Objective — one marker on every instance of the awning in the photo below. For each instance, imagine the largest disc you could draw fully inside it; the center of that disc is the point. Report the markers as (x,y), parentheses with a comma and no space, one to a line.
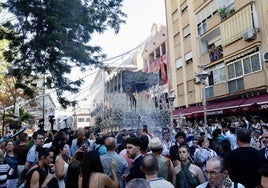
(187,112)
(259,102)
(226,107)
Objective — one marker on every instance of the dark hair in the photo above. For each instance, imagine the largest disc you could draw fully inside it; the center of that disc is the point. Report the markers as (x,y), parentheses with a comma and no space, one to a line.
(91,163)
(200,141)
(144,142)
(243,135)
(264,170)
(10,140)
(40,132)
(73,174)
(23,137)
(57,145)
(182,134)
(42,151)
(149,164)
(225,146)
(134,140)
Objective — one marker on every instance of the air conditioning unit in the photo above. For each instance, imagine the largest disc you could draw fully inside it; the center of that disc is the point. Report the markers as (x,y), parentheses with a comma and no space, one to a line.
(249,35)
(196,80)
(265,56)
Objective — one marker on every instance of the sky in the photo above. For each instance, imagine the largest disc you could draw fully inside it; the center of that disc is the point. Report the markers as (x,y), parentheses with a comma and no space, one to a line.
(141,14)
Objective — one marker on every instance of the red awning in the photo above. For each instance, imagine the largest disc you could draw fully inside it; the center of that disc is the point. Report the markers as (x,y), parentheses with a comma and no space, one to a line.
(226,107)
(257,102)
(187,112)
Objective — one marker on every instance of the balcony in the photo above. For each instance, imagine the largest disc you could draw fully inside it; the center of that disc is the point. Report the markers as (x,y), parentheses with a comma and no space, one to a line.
(233,27)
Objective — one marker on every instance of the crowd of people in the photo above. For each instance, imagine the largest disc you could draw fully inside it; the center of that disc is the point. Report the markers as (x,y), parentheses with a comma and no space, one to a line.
(219,155)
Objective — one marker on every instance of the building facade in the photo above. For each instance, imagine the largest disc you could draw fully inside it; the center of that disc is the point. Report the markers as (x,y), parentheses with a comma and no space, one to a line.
(227,37)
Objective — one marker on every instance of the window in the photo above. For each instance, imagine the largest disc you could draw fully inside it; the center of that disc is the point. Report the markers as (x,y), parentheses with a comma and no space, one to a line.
(236,85)
(175,16)
(235,70)
(251,63)
(201,28)
(81,119)
(209,92)
(217,74)
(177,39)
(188,57)
(186,31)
(184,7)
(248,64)
(179,63)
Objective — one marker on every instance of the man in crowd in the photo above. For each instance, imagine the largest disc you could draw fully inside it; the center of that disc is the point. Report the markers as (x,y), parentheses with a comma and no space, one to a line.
(216,171)
(264,176)
(165,164)
(150,168)
(133,145)
(245,161)
(264,150)
(180,139)
(77,142)
(32,155)
(121,163)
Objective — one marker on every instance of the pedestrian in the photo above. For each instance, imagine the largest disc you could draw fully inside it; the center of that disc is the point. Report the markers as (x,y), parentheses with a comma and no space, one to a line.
(264,150)
(38,175)
(245,161)
(217,173)
(187,175)
(166,168)
(121,163)
(133,145)
(4,169)
(150,168)
(32,155)
(180,139)
(138,182)
(12,160)
(61,166)
(203,153)
(92,173)
(264,176)
(72,175)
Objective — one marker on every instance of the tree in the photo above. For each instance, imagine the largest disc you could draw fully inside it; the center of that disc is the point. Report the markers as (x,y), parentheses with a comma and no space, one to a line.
(52,36)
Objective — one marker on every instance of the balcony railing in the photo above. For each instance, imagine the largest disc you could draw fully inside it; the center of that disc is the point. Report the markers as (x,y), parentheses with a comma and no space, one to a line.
(233,27)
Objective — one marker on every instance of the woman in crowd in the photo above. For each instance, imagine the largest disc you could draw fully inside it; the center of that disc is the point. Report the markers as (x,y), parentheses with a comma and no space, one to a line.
(61,166)
(12,160)
(73,174)
(203,153)
(187,175)
(92,173)
(4,169)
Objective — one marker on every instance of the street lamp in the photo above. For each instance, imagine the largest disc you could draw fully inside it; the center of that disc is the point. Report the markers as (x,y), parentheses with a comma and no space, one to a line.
(202,76)
(171,99)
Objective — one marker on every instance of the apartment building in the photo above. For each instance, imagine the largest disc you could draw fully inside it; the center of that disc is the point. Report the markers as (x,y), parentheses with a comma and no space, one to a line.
(227,37)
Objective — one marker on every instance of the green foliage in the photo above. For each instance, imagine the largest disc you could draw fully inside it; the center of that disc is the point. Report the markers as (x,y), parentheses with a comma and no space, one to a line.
(52,36)
(225,13)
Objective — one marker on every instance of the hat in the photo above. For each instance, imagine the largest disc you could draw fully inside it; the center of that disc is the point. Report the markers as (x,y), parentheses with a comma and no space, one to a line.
(155,143)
